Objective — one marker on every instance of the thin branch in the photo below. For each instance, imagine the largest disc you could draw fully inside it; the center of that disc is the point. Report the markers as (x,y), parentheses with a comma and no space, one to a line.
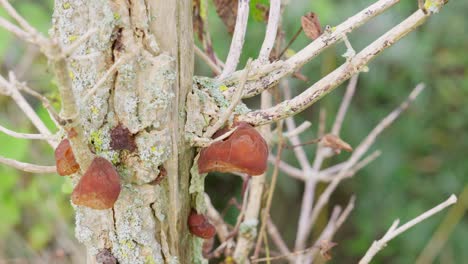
(332,227)
(21,21)
(276,238)
(271,31)
(288,169)
(234,102)
(27,33)
(298,130)
(45,102)
(324,176)
(292,254)
(205,142)
(290,42)
(26,108)
(270,77)
(216,219)
(358,153)
(215,68)
(26,136)
(338,76)
(28,167)
(237,39)
(344,105)
(14,29)
(274,178)
(444,230)
(394,231)
(309,190)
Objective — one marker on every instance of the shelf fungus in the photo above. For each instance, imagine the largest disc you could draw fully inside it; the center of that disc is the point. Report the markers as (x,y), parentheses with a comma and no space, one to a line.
(200,226)
(99,187)
(245,151)
(65,159)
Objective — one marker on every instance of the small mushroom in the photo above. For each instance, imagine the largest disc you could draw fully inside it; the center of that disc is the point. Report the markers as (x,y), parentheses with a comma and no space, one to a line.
(99,187)
(200,226)
(244,151)
(64,159)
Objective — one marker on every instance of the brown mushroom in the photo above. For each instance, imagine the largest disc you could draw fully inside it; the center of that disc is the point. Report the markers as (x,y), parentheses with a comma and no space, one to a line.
(99,187)
(64,159)
(244,151)
(200,226)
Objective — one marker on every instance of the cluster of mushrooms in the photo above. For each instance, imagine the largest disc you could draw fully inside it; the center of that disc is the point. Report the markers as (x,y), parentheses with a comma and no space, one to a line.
(244,151)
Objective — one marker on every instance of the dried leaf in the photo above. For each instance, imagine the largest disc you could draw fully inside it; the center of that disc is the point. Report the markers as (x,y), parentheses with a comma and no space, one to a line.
(227,11)
(335,143)
(325,247)
(311,25)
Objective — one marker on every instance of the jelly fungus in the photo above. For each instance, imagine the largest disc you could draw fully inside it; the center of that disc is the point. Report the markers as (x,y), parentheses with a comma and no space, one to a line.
(99,187)
(244,151)
(200,226)
(64,159)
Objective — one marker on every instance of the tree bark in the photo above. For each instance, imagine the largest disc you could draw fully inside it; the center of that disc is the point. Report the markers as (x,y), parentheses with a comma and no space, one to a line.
(153,43)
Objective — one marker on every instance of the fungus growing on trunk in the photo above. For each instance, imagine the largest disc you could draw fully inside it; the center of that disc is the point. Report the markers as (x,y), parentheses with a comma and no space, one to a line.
(244,151)
(99,187)
(122,138)
(200,226)
(65,159)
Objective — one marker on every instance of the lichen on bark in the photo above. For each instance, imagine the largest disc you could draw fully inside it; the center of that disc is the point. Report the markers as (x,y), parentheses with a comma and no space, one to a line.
(146,96)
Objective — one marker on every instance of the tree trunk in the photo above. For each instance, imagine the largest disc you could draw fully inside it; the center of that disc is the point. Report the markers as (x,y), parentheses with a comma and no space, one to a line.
(151,43)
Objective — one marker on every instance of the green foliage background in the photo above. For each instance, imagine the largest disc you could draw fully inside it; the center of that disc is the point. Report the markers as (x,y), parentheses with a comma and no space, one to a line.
(423,158)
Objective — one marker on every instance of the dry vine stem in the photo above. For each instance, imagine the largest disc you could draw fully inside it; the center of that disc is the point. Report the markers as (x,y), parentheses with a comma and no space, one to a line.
(117,59)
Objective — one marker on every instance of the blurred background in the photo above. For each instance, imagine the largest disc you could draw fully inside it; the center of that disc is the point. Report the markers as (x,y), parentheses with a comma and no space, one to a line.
(422,163)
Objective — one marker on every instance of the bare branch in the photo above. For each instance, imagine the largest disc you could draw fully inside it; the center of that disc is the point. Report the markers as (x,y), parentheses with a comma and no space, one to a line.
(326,176)
(344,105)
(276,238)
(26,108)
(298,130)
(274,178)
(237,39)
(207,60)
(27,33)
(444,230)
(358,153)
(215,218)
(332,227)
(270,77)
(335,78)
(288,169)
(271,31)
(45,102)
(309,189)
(26,136)
(234,102)
(394,231)
(14,29)
(28,167)
(21,21)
